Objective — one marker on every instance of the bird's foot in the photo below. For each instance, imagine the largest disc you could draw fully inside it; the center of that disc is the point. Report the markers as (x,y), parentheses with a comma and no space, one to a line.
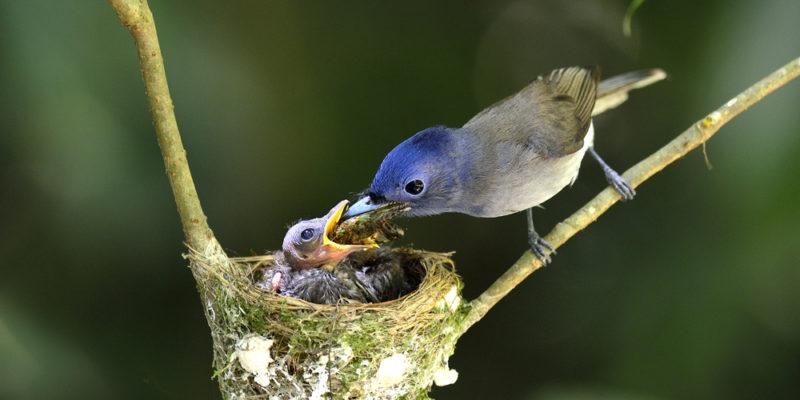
(622,186)
(539,248)
(616,181)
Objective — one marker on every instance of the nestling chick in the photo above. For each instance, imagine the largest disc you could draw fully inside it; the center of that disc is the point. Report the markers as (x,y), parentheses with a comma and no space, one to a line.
(309,267)
(306,266)
(307,243)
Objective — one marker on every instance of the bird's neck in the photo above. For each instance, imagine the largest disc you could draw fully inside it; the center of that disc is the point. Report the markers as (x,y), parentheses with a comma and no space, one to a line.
(470,149)
(464,157)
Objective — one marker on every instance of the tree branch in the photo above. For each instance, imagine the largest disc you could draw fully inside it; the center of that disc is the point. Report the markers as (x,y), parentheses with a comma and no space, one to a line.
(138,19)
(692,137)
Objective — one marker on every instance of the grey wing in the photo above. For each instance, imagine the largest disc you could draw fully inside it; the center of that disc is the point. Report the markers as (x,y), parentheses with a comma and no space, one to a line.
(551,115)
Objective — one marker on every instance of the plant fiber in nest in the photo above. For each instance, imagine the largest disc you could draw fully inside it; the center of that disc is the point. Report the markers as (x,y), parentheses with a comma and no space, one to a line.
(273,347)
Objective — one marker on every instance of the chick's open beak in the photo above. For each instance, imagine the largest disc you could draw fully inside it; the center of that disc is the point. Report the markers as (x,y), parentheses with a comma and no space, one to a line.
(331,250)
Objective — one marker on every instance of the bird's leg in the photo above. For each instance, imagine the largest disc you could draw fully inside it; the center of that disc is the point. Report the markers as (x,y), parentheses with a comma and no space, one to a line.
(536,242)
(616,180)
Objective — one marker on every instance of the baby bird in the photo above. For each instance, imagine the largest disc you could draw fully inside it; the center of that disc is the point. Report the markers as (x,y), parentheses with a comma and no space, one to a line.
(311,266)
(307,244)
(306,268)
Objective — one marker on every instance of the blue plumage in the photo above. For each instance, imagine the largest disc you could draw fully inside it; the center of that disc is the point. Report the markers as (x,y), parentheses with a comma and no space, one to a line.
(426,157)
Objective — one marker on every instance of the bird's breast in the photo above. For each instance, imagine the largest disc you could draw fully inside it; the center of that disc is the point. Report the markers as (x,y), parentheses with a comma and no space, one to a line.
(517,178)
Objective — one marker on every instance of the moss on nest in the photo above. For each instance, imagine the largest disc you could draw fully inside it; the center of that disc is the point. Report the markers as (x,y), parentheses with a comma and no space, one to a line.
(268,346)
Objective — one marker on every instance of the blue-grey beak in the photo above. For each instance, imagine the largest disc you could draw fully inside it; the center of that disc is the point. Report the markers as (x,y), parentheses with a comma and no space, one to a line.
(363,205)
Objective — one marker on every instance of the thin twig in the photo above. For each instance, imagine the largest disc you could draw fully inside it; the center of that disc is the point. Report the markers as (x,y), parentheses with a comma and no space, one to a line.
(692,137)
(136,16)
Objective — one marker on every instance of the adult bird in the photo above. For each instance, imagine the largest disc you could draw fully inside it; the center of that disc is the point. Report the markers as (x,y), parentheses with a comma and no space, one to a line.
(510,157)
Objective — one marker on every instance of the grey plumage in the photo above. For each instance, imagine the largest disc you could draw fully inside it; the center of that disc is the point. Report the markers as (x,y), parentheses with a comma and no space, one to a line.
(321,286)
(537,139)
(315,285)
(382,274)
(371,276)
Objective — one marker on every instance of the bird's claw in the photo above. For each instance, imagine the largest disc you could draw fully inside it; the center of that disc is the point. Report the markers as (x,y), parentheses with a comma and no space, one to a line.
(622,186)
(539,248)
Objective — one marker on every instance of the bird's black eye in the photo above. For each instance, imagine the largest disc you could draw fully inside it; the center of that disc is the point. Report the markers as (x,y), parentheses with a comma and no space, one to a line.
(415,187)
(307,234)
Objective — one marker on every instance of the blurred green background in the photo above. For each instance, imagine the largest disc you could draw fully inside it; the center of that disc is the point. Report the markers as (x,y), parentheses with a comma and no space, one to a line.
(688,292)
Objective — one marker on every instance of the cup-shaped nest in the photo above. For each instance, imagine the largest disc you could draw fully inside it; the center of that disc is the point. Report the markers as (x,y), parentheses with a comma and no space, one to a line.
(271,346)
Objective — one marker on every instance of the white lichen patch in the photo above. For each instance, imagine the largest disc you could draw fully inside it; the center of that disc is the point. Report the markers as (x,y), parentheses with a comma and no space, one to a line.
(262,379)
(392,370)
(451,300)
(362,367)
(318,378)
(253,354)
(343,354)
(445,376)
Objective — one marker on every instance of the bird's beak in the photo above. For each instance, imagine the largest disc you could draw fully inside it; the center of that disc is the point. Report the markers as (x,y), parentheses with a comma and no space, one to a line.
(364,205)
(330,250)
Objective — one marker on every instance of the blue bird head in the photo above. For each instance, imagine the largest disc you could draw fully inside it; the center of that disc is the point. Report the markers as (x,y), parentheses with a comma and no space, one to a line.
(420,172)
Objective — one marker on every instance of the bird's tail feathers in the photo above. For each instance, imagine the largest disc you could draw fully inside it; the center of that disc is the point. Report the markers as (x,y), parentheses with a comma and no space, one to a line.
(613,91)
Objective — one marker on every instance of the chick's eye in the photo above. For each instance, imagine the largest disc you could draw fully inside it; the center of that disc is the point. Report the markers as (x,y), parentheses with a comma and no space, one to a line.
(415,187)
(307,234)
